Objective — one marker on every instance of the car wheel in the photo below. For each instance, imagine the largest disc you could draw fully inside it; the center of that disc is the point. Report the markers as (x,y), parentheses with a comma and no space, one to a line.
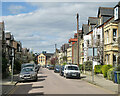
(78,77)
(36,79)
(19,81)
(66,77)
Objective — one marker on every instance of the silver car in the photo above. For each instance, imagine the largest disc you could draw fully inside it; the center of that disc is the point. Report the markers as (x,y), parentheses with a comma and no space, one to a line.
(30,65)
(28,73)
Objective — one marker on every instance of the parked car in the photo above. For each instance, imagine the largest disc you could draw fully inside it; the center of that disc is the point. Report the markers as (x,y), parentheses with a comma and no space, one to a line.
(47,66)
(57,68)
(30,65)
(71,71)
(27,73)
(44,66)
(51,67)
(62,70)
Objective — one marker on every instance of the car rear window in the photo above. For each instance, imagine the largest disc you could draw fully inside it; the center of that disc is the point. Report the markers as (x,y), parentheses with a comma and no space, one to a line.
(29,65)
(27,70)
(72,68)
(57,66)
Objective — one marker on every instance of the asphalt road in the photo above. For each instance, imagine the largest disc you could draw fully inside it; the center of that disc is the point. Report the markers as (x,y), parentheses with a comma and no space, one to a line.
(52,83)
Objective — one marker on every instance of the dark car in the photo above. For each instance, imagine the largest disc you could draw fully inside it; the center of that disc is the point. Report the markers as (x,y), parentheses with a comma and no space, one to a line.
(62,70)
(51,67)
(27,73)
(57,68)
(47,66)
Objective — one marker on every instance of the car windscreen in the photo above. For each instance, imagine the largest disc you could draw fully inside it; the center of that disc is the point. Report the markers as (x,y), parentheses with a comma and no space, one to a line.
(27,70)
(72,68)
(51,66)
(29,65)
(58,66)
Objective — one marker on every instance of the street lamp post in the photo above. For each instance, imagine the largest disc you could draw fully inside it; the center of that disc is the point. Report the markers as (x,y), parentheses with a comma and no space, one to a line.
(12,65)
(93,59)
(55,53)
(93,66)
(78,37)
(12,69)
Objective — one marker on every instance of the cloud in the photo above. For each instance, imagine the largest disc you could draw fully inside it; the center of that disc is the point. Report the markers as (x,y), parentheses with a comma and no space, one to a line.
(48,25)
(15,9)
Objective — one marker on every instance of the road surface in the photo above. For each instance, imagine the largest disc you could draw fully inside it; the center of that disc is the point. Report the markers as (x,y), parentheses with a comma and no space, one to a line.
(52,83)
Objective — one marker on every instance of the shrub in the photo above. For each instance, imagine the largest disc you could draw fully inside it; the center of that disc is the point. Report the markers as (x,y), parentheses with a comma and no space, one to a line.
(88,65)
(5,67)
(118,60)
(17,66)
(97,69)
(81,66)
(110,74)
(105,68)
(117,68)
(4,64)
(64,63)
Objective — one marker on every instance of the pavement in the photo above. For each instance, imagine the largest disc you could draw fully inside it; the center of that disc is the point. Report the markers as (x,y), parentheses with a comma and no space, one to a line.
(99,80)
(7,85)
(52,83)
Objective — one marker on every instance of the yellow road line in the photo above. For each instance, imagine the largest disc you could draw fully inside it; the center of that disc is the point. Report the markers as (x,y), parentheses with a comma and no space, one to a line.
(11,92)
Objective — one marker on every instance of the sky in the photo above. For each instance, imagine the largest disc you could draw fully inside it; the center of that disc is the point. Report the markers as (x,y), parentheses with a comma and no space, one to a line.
(41,25)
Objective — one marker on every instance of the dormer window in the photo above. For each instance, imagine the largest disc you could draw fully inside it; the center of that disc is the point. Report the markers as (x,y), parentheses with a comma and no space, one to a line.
(116,13)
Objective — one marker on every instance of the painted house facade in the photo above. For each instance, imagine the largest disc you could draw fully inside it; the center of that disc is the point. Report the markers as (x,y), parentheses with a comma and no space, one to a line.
(111,43)
(43,58)
(69,54)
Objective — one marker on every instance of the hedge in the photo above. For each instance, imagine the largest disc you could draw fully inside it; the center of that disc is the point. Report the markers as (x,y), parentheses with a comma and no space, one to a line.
(117,68)
(5,71)
(17,66)
(110,74)
(64,63)
(97,69)
(88,65)
(81,67)
(105,68)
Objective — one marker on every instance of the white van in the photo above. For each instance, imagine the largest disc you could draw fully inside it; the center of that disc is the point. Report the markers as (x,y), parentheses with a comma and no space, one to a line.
(71,71)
